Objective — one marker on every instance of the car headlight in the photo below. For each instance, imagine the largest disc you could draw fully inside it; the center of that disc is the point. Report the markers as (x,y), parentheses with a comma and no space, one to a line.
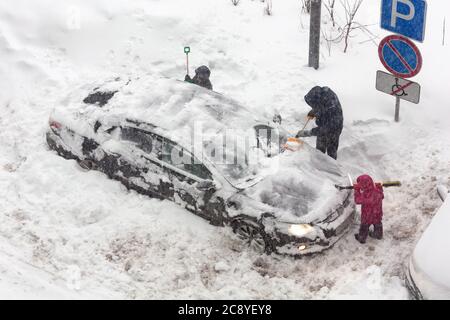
(300,230)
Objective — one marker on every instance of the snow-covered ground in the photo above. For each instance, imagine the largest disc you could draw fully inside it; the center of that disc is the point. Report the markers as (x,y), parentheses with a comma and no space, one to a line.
(65,233)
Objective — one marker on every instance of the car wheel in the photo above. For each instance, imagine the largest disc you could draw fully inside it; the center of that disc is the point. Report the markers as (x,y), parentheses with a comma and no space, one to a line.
(252,235)
(86,164)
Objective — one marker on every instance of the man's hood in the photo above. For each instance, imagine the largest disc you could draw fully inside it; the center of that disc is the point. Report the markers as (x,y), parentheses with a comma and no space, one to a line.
(322,98)
(314,98)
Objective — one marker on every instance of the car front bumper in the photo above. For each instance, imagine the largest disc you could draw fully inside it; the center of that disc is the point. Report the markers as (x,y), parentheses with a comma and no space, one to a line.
(327,232)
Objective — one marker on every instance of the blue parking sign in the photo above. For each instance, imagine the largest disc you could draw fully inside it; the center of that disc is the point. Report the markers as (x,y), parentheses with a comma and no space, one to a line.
(405,17)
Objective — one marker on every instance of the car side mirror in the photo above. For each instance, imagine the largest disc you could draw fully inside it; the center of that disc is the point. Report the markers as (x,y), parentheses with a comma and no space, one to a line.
(442,192)
(207,186)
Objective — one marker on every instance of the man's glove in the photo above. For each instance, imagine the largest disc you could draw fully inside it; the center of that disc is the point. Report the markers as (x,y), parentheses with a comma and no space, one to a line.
(187,78)
(311,115)
(303,134)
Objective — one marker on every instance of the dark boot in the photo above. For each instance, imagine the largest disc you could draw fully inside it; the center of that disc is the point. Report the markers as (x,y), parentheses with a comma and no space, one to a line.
(363,233)
(377,232)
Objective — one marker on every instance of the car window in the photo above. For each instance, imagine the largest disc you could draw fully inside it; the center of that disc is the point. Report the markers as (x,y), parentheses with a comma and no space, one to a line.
(179,157)
(167,151)
(142,139)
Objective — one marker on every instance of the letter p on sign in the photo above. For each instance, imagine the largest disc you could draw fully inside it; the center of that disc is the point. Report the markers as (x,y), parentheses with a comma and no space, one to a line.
(395,14)
(405,17)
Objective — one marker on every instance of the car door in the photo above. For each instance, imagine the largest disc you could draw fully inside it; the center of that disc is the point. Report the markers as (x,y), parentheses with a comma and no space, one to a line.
(155,165)
(193,183)
(186,173)
(141,150)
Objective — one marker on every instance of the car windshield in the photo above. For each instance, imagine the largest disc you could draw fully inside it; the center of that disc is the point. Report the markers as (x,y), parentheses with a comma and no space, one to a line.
(245,158)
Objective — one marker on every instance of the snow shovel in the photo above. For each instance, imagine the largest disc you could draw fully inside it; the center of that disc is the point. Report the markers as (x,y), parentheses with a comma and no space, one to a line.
(187,50)
(384,184)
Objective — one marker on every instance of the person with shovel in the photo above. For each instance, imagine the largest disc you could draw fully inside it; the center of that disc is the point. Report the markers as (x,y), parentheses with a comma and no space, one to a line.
(202,73)
(327,111)
(201,78)
(370,196)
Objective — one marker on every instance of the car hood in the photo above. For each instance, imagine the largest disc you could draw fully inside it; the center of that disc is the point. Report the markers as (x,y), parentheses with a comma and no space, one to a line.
(302,187)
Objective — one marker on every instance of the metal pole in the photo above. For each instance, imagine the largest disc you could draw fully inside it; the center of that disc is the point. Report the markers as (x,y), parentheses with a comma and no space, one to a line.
(443,34)
(187,63)
(314,33)
(397,109)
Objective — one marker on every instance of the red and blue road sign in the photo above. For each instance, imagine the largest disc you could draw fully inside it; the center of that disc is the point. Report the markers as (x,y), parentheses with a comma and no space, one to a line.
(400,56)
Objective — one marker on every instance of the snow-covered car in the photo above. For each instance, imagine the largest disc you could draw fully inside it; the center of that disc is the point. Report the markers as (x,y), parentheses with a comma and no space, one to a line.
(231,173)
(428,275)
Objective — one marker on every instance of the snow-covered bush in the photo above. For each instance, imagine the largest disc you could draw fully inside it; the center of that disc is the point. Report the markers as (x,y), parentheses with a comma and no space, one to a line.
(343,26)
(330,5)
(350,12)
(306,6)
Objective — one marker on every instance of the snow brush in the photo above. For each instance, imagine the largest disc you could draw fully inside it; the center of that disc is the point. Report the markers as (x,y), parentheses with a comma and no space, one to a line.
(295,144)
(306,124)
(384,184)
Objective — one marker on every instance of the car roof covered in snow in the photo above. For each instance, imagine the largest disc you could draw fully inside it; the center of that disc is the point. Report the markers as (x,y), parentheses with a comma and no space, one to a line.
(174,106)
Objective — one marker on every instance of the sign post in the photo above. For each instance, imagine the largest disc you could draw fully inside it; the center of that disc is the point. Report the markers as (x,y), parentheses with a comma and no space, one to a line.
(399,55)
(314,33)
(397,109)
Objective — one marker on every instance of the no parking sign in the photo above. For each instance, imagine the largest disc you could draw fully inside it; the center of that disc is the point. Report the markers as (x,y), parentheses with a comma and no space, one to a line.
(400,56)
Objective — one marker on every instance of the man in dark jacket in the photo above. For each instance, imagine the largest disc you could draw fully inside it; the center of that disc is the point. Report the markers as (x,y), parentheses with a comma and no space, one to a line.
(327,110)
(201,77)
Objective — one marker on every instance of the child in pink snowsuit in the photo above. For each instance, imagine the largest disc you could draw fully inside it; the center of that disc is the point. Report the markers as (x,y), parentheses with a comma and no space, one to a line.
(370,196)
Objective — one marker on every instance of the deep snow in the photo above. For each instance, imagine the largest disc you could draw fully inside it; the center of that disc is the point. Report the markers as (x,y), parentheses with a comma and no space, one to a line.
(65,233)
